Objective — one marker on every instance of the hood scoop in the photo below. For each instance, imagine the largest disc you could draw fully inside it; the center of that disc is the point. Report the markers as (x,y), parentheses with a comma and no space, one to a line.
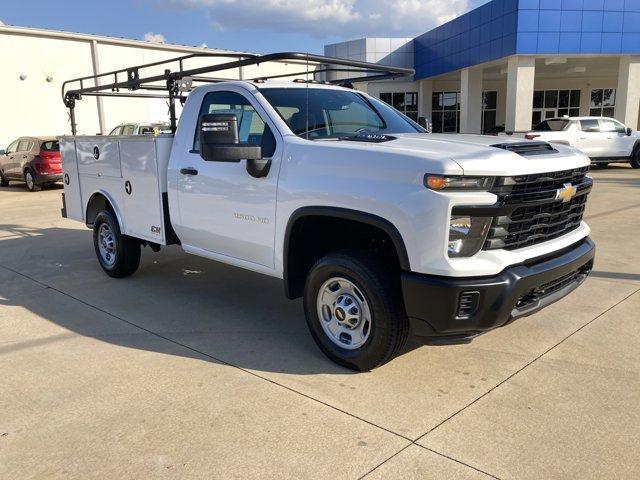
(527,148)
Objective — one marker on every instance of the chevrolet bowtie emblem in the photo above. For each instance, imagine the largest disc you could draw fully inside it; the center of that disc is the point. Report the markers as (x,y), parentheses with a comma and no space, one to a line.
(566,193)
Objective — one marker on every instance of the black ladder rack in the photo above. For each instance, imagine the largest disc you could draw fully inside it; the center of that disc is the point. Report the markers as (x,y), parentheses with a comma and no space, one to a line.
(130,81)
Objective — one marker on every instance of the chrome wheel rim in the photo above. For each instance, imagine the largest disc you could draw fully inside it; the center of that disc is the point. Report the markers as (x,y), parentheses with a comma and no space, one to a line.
(29,180)
(344,313)
(107,244)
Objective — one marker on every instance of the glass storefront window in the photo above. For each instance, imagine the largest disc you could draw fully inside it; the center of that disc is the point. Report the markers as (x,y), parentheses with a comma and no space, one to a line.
(446,112)
(555,103)
(489,111)
(603,102)
(404,102)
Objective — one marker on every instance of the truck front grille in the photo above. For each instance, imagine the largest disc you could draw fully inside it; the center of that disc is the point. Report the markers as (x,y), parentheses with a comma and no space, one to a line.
(536,215)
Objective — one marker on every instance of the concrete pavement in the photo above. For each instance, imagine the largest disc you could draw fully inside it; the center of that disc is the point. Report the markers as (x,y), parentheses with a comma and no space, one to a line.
(193,369)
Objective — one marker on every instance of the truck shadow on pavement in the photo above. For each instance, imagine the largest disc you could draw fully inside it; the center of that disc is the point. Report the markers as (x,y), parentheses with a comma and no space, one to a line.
(175,304)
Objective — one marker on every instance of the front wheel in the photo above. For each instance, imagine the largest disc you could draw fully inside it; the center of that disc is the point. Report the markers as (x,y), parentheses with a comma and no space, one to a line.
(119,255)
(353,306)
(635,159)
(4,181)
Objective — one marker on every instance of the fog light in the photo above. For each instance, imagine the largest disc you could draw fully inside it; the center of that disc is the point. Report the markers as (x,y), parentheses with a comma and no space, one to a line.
(468,303)
(467,235)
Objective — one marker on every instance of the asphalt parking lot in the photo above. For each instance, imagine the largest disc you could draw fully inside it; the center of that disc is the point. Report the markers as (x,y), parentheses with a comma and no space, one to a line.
(192,369)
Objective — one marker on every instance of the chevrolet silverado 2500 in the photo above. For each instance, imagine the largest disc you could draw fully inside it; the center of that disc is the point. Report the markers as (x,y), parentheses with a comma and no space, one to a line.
(382,228)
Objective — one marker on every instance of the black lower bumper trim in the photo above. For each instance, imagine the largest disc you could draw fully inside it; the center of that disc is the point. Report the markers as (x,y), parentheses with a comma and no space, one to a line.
(432,302)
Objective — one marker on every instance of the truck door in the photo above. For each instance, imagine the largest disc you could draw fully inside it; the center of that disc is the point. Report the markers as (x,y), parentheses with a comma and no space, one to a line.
(621,144)
(590,139)
(223,209)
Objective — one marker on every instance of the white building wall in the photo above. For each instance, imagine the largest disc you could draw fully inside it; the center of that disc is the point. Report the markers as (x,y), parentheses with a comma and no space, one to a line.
(33,106)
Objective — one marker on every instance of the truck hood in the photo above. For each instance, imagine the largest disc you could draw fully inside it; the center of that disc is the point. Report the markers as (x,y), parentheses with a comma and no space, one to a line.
(477,154)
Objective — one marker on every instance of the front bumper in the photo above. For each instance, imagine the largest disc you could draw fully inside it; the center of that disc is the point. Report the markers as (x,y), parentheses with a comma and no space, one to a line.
(433,302)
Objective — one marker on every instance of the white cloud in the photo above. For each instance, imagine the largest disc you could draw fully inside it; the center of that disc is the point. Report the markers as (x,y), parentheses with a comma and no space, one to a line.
(154,37)
(324,18)
(1,22)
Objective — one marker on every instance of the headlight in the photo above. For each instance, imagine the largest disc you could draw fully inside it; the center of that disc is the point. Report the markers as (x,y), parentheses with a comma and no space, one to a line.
(439,182)
(467,235)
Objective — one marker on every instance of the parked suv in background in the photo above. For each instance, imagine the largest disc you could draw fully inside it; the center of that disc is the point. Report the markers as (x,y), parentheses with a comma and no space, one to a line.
(604,140)
(33,160)
(140,129)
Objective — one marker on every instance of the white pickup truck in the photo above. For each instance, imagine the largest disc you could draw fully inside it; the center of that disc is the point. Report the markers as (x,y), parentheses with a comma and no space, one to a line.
(380,227)
(604,140)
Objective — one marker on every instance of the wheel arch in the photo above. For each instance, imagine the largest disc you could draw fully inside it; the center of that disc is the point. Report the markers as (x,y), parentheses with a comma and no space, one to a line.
(101,200)
(292,282)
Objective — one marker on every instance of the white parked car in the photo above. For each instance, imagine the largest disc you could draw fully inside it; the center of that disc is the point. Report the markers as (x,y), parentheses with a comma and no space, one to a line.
(604,140)
(380,227)
(140,129)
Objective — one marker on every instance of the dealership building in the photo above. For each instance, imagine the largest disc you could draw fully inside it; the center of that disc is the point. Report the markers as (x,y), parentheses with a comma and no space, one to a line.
(512,63)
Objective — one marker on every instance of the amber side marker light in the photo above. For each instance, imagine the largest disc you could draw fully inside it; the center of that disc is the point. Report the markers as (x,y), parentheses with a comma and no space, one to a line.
(440,182)
(435,182)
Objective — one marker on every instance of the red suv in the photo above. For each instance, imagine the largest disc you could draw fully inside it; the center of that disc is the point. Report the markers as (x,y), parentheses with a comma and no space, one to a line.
(32,160)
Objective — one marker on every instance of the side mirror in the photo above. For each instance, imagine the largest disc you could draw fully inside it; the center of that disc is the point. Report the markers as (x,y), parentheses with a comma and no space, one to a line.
(422,122)
(629,132)
(219,140)
(2,152)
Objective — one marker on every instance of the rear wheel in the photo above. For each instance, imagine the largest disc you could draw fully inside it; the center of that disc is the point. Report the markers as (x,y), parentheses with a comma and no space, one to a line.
(353,306)
(119,255)
(635,158)
(30,180)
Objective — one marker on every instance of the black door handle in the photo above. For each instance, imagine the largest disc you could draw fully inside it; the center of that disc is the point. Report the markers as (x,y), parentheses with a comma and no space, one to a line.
(188,171)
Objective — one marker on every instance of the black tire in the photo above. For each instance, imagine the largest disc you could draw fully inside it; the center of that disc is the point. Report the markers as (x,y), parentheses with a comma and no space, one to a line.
(4,181)
(380,286)
(126,249)
(635,158)
(30,181)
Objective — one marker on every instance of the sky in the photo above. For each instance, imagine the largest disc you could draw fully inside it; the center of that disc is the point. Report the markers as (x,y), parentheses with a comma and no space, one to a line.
(259,26)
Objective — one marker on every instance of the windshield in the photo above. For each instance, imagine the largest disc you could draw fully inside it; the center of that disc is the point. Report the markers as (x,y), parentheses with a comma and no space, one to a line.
(317,113)
(551,126)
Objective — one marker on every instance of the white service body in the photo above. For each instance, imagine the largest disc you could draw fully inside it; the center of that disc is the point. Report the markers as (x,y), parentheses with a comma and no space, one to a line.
(103,165)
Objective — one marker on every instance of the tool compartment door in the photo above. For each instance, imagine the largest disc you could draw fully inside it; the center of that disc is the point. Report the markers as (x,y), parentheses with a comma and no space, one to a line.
(141,189)
(71,180)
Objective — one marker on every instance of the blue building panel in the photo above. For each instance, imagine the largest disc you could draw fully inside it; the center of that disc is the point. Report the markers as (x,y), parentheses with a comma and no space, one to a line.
(502,28)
